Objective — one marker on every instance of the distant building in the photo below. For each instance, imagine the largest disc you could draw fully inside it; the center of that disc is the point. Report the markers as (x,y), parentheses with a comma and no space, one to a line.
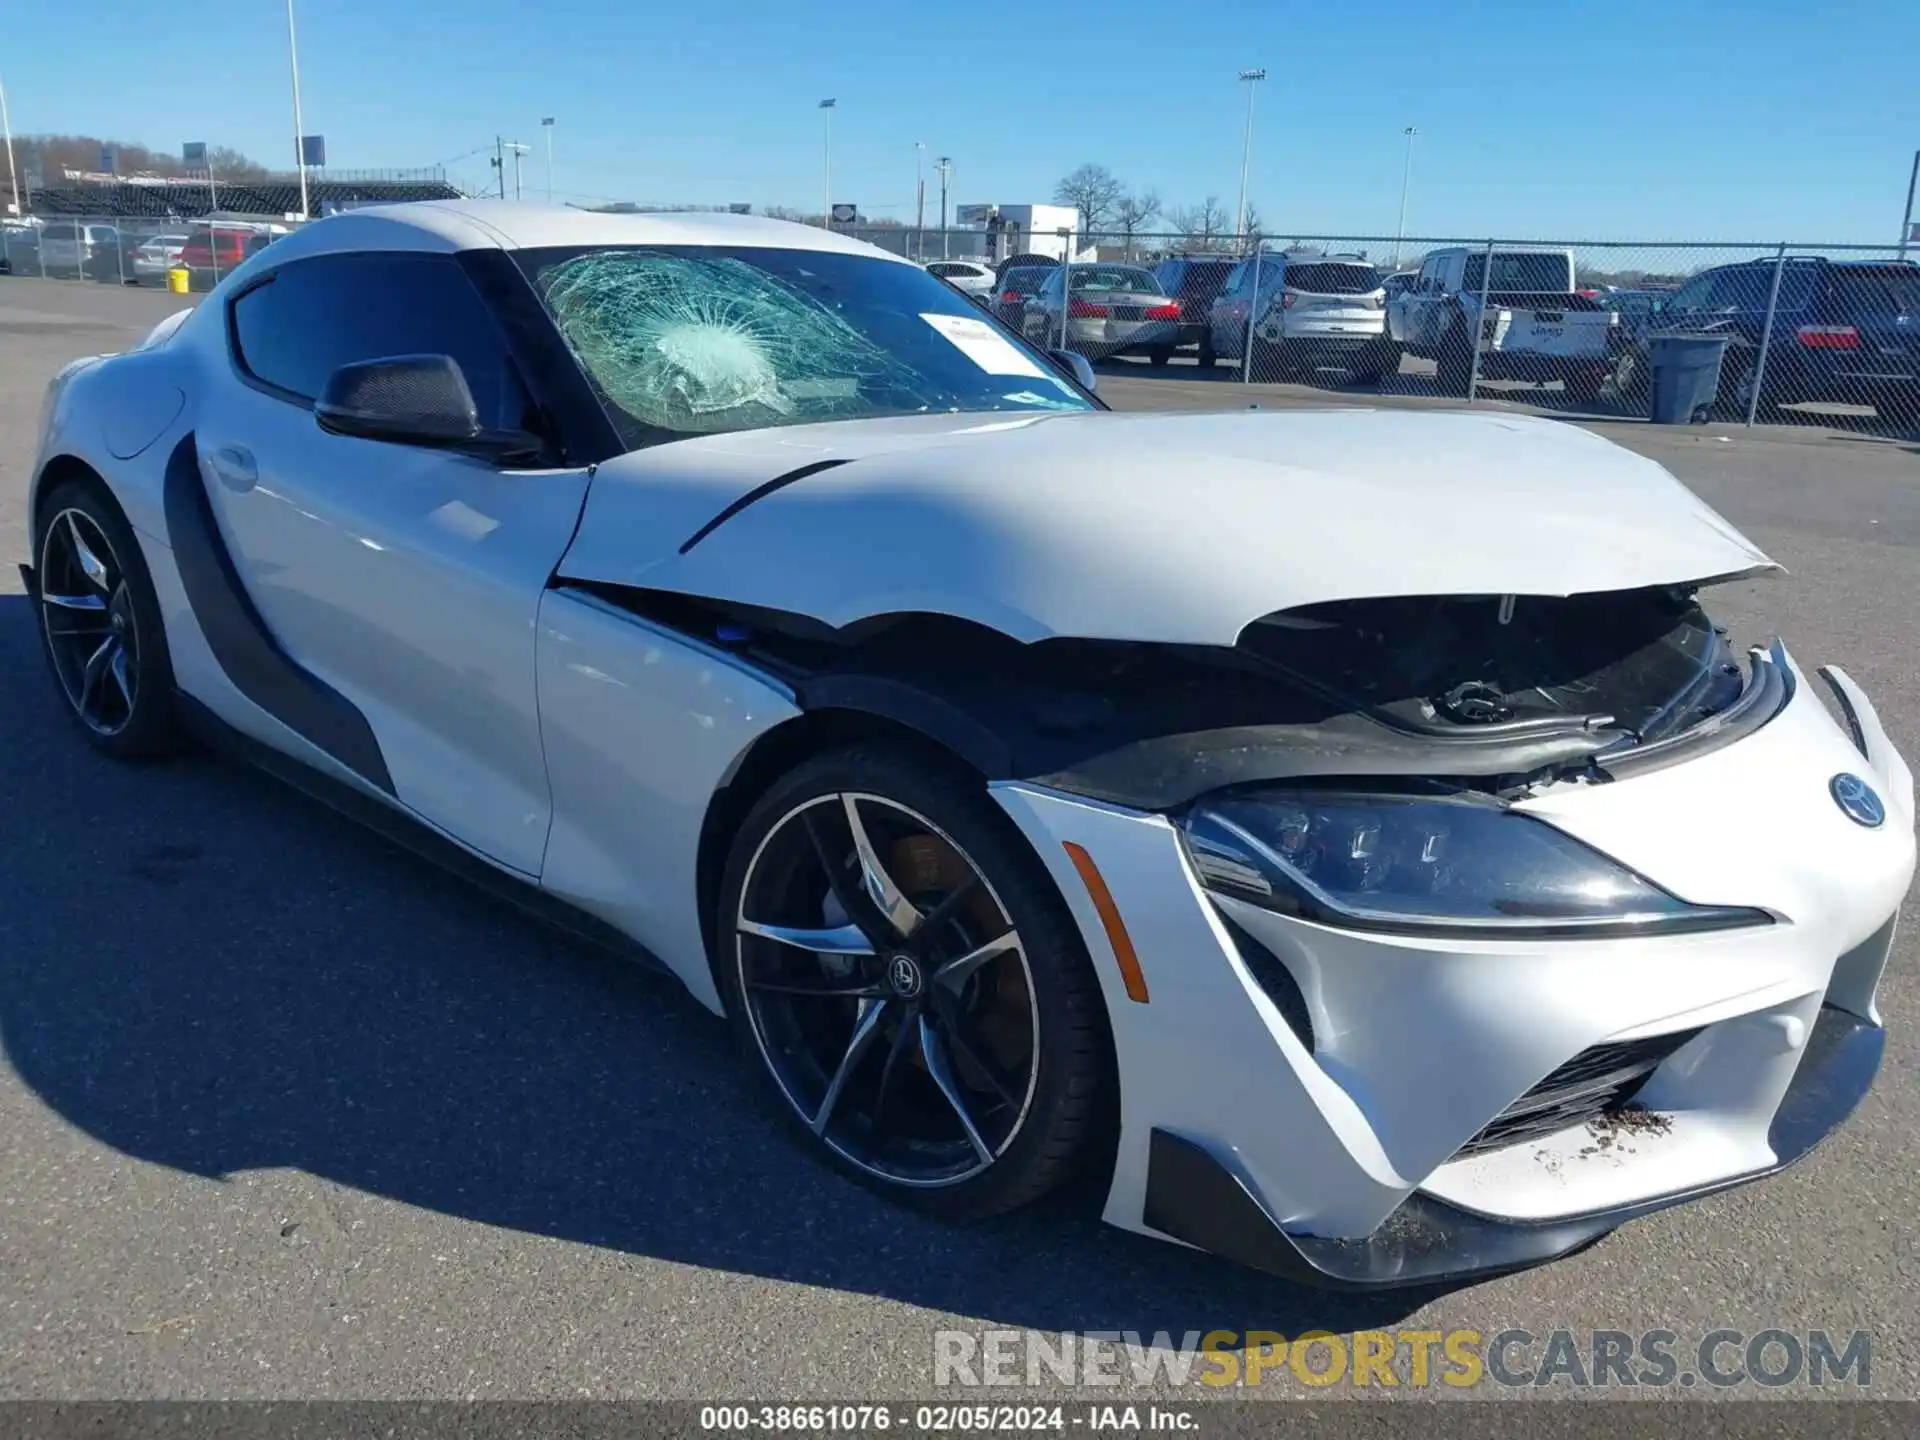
(1024,229)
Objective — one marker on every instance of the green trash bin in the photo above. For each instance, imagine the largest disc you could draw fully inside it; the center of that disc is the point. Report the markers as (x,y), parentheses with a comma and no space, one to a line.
(1686,376)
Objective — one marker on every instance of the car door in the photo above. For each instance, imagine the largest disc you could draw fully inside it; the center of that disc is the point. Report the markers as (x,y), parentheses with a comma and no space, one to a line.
(1226,316)
(405,578)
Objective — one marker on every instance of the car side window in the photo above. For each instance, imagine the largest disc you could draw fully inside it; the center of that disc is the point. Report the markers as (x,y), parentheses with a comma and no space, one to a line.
(310,317)
(1693,294)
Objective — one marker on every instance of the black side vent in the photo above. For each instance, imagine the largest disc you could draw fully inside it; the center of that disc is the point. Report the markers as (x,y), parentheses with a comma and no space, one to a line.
(1593,1083)
(1274,978)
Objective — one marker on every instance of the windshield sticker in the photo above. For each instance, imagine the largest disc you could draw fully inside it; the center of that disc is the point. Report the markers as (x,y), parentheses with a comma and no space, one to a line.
(984,345)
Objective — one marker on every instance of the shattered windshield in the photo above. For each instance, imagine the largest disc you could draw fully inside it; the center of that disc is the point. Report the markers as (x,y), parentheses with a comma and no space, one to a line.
(697,340)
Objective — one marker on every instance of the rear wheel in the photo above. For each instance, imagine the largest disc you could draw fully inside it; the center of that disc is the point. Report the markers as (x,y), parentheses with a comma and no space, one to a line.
(898,965)
(1208,357)
(1454,363)
(1160,355)
(1376,362)
(1584,383)
(100,624)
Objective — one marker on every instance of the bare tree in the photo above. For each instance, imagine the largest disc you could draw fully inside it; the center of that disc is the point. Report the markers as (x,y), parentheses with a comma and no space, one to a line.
(1132,214)
(1094,191)
(1204,224)
(1252,226)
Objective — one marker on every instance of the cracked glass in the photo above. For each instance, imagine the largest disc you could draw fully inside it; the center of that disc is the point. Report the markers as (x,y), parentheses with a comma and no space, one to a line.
(695,340)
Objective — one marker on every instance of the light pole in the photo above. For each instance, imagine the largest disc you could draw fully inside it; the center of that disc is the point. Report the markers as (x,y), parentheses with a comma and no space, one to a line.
(547,125)
(919,200)
(1251,79)
(1406,175)
(945,166)
(516,148)
(6,125)
(299,130)
(826,195)
(1906,224)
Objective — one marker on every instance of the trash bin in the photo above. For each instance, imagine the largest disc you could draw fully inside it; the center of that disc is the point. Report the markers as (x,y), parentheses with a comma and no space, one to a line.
(178,281)
(1686,376)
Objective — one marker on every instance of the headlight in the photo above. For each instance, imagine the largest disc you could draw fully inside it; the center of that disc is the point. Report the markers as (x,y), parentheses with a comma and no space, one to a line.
(1422,863)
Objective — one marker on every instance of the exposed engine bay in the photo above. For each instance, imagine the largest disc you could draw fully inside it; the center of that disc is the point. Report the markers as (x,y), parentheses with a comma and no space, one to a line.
(1489,692)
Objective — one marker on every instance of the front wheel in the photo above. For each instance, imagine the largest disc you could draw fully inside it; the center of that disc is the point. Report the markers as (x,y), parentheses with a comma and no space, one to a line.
(898,965)
(100,625)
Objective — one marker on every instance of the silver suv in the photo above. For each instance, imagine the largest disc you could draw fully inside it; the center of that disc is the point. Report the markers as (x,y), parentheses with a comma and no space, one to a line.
(1313,310)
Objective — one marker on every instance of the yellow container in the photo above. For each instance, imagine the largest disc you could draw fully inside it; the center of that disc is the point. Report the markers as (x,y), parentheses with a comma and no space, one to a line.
(177,282)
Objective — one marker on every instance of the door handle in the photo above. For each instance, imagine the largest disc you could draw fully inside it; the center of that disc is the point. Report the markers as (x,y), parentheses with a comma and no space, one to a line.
(233,466)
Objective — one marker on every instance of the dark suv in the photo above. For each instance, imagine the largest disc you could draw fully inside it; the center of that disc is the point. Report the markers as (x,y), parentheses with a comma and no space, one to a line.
(1195,281)
(1844,330)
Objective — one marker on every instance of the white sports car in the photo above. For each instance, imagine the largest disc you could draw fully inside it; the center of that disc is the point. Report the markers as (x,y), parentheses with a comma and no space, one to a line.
(1346,828)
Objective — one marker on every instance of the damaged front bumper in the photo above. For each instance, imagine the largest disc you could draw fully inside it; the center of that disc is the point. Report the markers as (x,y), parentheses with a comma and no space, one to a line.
(1332,1125)
(1196,1196)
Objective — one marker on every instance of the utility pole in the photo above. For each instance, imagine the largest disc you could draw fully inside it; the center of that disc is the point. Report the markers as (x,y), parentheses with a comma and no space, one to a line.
(1906,224)
(299,130)
(945,166)
(1406,175)
(1251,79)
(826,194)
(517,148)
(547,125)
(6,124)
(499,166)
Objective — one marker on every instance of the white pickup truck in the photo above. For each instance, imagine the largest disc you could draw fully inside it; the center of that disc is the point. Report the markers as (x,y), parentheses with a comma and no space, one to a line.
(1535,327)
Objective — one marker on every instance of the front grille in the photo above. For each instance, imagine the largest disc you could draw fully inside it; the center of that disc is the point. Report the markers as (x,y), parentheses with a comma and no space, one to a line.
(1595,1081)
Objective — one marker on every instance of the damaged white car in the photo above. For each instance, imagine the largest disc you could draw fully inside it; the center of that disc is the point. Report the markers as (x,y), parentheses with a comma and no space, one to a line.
(1347,828)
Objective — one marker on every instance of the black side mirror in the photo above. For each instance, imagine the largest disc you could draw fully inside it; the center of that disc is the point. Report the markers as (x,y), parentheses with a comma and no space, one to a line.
(1076,367)
(415,400)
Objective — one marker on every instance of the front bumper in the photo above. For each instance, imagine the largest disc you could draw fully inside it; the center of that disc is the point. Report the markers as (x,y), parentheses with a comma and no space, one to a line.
(1194,1196)
(1338,1120)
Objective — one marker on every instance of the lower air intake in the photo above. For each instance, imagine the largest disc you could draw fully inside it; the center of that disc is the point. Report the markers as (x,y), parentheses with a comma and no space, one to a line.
(1594,1082)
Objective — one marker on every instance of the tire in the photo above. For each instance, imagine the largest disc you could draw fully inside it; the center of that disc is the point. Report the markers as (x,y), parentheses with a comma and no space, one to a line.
(1160,355)
(1270,361)
(1033,1011)
(120,691)
(1632,375)
(1376,364)
(1454,363)
(1736,376)
(1208,357)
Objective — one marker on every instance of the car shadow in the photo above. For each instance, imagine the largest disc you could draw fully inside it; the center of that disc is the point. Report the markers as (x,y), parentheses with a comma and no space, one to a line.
(205,970)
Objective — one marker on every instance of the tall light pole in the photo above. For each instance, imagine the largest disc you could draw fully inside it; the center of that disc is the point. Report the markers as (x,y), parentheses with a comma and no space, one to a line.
(826,195)
(1406,175)
(547,125)
(1906,223)
(516,148)
(945,166)
(299,130)
(6,125)
(1251,79)
(919,200)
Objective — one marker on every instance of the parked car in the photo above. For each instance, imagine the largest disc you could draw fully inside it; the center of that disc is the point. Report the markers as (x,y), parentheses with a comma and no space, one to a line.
(1398,283)
(1308,831)
(1536,325)
(153,257)
(969,277)
(1113,310)
(1312,310)
(1843,330)
(1195,282)
(1025,259)
(1018,285)
(213,250)
(84,249)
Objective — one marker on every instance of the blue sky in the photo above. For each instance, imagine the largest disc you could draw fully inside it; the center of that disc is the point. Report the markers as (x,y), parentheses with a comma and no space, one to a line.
(1690,118)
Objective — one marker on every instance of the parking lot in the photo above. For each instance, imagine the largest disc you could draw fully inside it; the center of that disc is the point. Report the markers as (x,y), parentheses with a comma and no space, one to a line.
(285,1112)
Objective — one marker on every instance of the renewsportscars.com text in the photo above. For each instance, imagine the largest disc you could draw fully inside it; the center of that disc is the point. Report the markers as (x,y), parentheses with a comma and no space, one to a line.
(1413,1359)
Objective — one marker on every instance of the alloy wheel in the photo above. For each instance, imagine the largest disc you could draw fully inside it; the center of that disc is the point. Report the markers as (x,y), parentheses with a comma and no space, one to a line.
(86,611)
(887,990)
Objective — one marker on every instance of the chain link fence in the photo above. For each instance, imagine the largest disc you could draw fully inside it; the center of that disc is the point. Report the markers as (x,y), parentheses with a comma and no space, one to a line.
(1826,334)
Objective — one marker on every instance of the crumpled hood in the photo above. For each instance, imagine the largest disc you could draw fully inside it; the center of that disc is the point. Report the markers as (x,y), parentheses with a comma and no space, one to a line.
(1178,529)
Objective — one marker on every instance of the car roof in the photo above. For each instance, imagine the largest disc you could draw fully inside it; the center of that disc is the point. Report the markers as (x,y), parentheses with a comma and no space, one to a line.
(447,226)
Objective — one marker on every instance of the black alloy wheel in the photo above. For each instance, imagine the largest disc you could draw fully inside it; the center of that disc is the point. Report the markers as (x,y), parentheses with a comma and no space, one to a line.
(911,985)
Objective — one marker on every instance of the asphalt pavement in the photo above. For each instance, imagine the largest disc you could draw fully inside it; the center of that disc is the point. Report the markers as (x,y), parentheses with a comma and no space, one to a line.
(285,1112)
